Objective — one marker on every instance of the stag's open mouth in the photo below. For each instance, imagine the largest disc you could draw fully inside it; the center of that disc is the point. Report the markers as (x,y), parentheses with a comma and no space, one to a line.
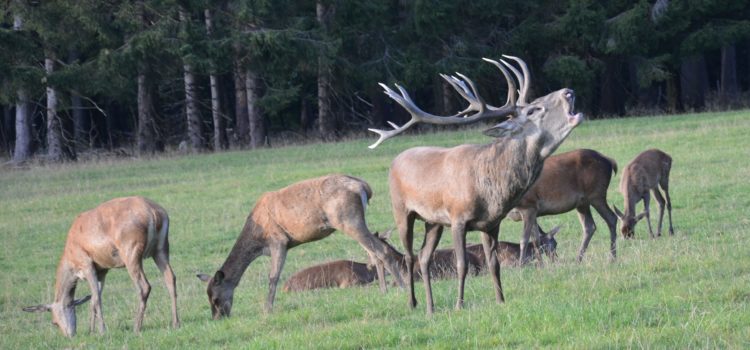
(573,118)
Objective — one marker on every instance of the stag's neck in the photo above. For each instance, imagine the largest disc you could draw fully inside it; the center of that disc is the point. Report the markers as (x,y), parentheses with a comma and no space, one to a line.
(247,248)
(65,283)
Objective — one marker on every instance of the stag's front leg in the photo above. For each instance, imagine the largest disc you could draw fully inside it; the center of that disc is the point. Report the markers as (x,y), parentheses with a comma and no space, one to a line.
(529,226)
(96,283)
(459,246)
(647,211)
(660,201)
(489,244)
(278,256)
(433,232)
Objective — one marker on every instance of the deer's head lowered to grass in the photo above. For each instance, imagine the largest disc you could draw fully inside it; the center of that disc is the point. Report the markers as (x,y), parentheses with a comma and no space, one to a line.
(472,187)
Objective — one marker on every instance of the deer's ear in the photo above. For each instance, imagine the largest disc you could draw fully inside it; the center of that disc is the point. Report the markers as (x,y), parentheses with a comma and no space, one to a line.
(80,301)
(640,216)
(38,308)
(553,231)
(507,128)
(218,277)
(617,212)
(387,234)
(203,277)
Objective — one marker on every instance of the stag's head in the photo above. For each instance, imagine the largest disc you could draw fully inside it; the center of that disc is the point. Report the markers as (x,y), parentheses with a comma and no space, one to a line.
(628,221)
(63,316)
(220,294)
(550,118)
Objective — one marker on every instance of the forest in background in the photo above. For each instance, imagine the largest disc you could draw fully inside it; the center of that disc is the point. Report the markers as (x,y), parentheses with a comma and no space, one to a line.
(140,77)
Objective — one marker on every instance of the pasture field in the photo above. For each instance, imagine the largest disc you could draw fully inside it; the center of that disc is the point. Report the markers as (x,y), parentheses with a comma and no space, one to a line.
(691,290)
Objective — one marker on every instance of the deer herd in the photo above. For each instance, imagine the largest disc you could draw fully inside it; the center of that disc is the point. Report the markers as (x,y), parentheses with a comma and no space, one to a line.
(465,188)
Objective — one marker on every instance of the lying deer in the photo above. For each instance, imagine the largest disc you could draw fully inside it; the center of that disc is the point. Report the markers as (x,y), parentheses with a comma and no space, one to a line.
(573,180)
(118,233)
(339,273)
(473,187)
(647,172)
(300,213)
(509,254)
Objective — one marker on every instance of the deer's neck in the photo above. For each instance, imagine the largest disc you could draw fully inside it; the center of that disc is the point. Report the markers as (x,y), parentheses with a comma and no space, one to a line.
(247,248)
(65,283)
(506,168)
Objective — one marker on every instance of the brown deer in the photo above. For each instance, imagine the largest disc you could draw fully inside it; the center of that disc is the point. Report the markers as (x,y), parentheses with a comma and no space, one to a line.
(647,172)
(473,187)
(303,212)
(573,180)
(117,233)
(509,254)
(339,273)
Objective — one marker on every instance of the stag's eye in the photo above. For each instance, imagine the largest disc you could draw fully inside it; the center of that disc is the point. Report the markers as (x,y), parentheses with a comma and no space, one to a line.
(569,94)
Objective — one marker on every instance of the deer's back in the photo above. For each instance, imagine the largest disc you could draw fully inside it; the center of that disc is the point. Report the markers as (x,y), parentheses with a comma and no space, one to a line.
(569,180)
(340,273)
(508,254)
(645,171)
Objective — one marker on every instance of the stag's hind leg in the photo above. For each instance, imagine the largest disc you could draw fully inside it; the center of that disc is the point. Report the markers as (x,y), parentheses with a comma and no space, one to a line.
(135,269)
(664,183)
(433,232)
(161,258)
(589,227)
(611,219)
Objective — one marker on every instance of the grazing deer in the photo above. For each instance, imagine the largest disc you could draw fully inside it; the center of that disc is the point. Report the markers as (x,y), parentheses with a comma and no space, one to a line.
(300,213)
(573,180)
(647,172)
(473,187)
(117,233)
(339,273)
(509,254)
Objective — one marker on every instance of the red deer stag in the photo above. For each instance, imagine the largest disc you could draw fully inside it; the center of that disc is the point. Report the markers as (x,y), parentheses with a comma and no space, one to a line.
(509,254)
(472,187)
(303,212)
(117,233)
(339,273)
(647,172)
(573,180)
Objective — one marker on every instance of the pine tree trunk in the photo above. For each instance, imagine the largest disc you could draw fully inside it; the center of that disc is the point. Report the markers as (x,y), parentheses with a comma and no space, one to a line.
(255,118)
(241,109)
(611,93)
(326,123)
(673,94)
(220,133)
(146,123)
(54,127)
(694,82)
(22,150)
(81,120)
(191,109)
(729,90)
(7,126)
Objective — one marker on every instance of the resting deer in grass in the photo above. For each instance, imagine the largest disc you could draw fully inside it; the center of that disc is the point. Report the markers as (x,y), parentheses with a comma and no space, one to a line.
(647,172)
(509,254)
(473,187)
(573,180)
(339,273)
(118,233)
(303,212)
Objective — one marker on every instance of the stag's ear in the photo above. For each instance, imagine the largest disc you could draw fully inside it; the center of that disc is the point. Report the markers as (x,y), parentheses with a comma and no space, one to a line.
(553,231)
(38,308)
(640,216)
(203,277)
(619,214)
(80,301)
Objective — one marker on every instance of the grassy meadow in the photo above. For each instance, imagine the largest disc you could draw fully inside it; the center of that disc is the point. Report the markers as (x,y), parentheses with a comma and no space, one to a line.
(691,290)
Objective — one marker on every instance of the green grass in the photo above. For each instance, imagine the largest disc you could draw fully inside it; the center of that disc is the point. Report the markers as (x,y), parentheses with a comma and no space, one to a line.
(687,291)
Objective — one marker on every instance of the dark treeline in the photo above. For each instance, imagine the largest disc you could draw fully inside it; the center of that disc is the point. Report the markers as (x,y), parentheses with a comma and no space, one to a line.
(199,75)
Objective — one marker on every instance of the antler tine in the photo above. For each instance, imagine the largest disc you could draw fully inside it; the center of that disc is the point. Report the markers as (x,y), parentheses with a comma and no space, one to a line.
(478,99)
(519,76)
(526,78)
(512,93)
(460,87)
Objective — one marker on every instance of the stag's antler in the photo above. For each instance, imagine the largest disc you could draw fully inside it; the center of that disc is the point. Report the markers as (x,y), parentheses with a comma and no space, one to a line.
(468,90)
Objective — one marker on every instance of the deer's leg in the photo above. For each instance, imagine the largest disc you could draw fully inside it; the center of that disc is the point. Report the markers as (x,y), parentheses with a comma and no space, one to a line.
(665,186)
(489,244)
(660,201)
(95,317)
(459,246)
(647,211)
(529,227)
(589,227)
(161,258)
(278,256)
(611,219)
(135,269)
(433,232)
